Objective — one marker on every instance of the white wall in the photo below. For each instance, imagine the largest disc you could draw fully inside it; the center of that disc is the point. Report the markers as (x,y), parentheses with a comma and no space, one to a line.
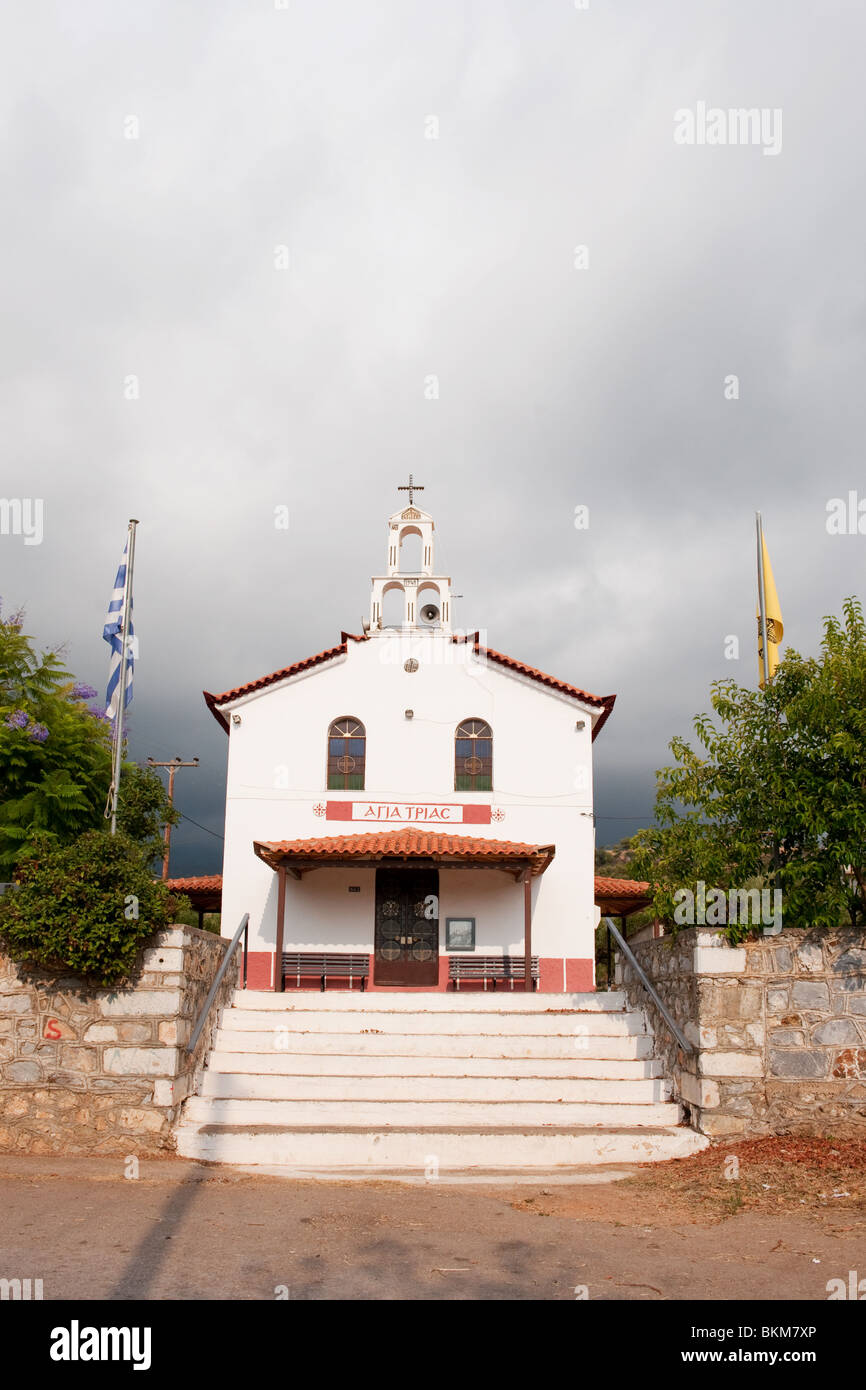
(321,910)
(542,778)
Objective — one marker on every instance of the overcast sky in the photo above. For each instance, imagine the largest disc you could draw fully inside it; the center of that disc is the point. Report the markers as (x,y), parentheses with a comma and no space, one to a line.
(155,157)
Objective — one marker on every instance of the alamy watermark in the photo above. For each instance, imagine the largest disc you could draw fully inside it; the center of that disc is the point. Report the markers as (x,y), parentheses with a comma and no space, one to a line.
(734,125)
(846,516)
(405,644)
(20,1289)
(77,1343)
(713,907)
(22,516)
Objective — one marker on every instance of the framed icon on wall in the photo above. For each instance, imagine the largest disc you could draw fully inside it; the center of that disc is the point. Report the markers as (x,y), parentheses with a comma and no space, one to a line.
(460,933)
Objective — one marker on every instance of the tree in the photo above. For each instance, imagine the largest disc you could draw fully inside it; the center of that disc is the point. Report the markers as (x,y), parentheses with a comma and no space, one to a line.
(87,906)
(143,808)
(55,755)
(775,793)
(617,861)
(55,758)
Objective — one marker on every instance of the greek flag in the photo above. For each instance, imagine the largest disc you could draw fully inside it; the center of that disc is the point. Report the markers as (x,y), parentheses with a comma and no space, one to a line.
(113,634)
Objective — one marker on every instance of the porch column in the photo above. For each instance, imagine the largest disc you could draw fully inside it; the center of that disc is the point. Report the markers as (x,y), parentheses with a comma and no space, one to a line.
(527,931)
(279,980)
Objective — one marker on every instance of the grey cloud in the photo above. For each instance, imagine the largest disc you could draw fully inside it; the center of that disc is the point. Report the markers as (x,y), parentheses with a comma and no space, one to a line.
(411,257)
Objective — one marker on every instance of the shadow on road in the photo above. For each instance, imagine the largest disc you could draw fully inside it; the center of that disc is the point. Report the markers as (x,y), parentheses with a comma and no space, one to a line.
(146,1260)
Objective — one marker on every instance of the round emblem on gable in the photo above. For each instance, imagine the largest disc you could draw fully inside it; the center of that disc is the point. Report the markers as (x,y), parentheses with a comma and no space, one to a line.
(410,665)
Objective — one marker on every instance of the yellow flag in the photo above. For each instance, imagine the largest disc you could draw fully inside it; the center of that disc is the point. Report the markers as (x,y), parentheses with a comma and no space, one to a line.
(775,629)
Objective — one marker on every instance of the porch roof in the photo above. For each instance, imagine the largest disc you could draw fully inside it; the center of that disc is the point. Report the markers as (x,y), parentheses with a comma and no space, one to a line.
(619,897)
(204,890)
(405,846)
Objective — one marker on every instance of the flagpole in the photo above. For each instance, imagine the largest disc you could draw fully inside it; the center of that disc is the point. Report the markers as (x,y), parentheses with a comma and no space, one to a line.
(117,754)
(762,598)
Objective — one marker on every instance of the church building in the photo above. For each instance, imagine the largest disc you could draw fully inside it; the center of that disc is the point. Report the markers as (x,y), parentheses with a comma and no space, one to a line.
(411,809)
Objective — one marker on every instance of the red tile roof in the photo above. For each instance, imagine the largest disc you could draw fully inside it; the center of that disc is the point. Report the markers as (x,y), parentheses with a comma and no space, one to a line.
(204,891)
(621,887)
(621,895)
(309,661)
(404,844)
(205,883)
(603,702)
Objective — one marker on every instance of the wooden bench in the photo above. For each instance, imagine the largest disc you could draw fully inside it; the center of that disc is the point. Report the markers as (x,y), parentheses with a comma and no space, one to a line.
(303,964)
(490,968)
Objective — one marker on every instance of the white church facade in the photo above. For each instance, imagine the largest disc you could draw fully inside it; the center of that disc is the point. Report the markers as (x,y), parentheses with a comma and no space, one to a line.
(410,809)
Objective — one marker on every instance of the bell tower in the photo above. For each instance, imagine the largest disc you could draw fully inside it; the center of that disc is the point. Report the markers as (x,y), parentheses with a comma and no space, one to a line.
(426,596)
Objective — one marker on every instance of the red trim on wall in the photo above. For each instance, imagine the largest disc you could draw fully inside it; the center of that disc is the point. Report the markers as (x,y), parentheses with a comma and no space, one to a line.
(345,810)
(260,970)
(580,976)
(574,975)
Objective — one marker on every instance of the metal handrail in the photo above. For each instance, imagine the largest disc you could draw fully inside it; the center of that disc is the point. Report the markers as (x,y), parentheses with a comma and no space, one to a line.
(630,957)
(212,994)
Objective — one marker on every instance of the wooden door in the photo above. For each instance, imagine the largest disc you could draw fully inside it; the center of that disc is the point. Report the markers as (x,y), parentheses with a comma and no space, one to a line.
(407,927)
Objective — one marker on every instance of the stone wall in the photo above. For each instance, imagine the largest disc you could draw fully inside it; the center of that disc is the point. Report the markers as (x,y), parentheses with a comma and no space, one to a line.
(778,1027)
(87,1070)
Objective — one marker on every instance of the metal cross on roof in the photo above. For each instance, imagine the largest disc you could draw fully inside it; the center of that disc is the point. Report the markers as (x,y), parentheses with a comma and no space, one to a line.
(411,487)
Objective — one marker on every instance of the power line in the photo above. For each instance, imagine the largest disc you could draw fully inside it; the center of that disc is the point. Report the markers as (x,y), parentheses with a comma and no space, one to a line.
(183,816)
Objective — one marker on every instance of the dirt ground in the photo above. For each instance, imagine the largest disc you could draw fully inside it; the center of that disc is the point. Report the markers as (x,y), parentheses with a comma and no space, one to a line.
(793,1219)
(822,1178)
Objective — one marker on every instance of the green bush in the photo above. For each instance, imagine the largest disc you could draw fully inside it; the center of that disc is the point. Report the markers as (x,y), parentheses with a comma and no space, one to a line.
(87,906)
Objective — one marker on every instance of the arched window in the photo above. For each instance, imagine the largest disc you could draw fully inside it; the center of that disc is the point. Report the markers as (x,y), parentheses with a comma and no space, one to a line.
(473,756)
(347,751)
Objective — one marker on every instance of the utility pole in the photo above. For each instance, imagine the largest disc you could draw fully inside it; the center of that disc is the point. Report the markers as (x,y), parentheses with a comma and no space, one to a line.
(172,769)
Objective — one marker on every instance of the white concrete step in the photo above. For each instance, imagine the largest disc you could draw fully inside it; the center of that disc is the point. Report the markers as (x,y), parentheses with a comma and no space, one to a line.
(421,1114)
(565,1023)
(432,1152)
(356,1064)
(390,1083)
(577,1045)
(395,1087)
(450,1001)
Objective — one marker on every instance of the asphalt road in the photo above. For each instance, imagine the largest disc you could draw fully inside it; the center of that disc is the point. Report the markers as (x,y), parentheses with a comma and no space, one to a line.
(185,1231)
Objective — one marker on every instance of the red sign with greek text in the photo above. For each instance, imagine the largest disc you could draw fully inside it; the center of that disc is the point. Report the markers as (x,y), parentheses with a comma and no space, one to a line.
(408,812)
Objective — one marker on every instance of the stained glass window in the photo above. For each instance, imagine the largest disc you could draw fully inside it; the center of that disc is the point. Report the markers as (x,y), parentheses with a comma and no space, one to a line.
(347,753)
(473,756)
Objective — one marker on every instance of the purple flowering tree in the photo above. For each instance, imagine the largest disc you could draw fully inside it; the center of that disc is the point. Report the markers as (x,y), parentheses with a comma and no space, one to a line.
(55,758)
